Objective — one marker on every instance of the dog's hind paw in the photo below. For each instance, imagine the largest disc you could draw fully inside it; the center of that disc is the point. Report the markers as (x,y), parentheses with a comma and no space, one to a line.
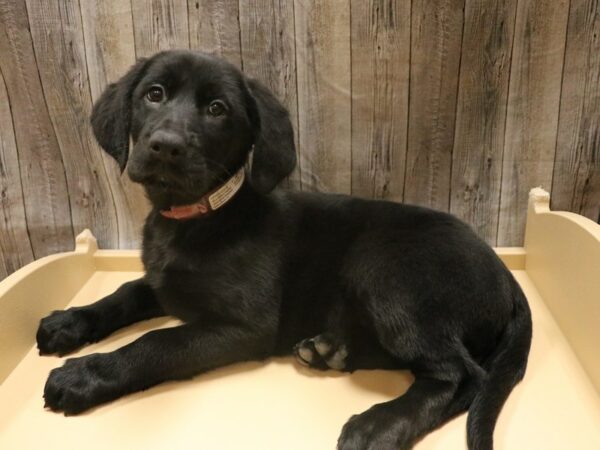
(322,352)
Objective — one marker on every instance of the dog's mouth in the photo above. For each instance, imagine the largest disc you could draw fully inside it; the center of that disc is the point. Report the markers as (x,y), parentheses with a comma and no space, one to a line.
(173,184)
(165,184)
(158,177)
(164,196)
(158,182)
(170,188)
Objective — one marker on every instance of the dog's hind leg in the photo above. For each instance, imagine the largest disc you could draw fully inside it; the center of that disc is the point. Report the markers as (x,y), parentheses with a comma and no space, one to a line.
(335,351)
(434,397)
(324,351)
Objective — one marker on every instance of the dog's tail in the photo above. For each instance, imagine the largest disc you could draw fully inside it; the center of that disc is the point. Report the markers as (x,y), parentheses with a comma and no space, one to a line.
(505,369)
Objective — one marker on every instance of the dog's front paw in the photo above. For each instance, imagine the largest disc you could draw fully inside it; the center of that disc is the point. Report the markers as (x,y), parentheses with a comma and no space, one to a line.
(375,429)
(63,331)
(82,383)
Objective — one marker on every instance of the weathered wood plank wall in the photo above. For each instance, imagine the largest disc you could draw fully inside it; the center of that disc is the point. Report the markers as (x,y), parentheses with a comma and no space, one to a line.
(380,62)
(461,105)
(324,93)
(110,51)
(576,181)
(436,41)
(41,175)
(481,114)
(532,111)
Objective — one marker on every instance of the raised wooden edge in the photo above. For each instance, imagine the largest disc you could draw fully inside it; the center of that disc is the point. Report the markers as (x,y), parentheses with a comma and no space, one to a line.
(512,257)
(539,203)
(563,262)
(118,260)
(35,290)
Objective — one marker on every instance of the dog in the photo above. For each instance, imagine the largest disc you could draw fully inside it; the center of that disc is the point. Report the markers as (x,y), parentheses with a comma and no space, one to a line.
(253,271)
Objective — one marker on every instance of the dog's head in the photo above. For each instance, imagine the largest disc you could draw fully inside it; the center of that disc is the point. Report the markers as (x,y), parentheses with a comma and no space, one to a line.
(193,119)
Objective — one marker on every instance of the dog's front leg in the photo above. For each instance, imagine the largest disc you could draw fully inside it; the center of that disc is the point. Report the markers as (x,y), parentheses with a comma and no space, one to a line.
(160,355)
(64,331)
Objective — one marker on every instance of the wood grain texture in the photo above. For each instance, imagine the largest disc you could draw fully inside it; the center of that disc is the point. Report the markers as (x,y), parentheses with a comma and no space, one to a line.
(481,114)
(436,42)
(380,74)
(110,51)
(109,41)
(576,181)
(324,103)
(45,194)
(15,247)
(532,116)
(215,28)
(269,55)
(57,34)
(460,105)
(160,25)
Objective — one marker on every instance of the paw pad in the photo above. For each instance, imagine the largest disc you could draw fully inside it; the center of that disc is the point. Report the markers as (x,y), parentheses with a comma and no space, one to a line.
(322,353)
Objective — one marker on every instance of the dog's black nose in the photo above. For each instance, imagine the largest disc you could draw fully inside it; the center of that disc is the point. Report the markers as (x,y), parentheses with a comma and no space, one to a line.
(167,145)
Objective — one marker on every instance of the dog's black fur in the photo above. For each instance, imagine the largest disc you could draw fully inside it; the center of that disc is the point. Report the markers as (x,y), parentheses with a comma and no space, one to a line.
(376,284)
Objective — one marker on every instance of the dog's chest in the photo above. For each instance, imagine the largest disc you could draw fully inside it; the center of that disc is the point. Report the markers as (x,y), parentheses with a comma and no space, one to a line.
(213,281)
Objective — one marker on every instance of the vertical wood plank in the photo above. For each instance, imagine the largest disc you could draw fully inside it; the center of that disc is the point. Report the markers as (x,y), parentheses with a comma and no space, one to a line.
(481,114)
(15,248)
(160,25)
(380,73)
(436,42)
(215,28)
(532,116)
(324,103)
(269,55)
(56,30)
(109,41)
(45,194)
(576,182)
(110,51)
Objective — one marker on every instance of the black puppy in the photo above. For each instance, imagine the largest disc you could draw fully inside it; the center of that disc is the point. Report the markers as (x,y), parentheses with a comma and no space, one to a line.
(343,283)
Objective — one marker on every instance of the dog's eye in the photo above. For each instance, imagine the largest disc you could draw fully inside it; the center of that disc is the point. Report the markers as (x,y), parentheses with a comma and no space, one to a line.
(216,108)
(156,93)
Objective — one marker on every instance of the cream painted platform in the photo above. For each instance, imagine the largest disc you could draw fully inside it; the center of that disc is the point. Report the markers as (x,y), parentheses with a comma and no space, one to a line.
(281,405)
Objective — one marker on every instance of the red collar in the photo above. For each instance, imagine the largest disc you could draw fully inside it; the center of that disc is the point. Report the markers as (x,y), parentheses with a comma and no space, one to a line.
(209,202)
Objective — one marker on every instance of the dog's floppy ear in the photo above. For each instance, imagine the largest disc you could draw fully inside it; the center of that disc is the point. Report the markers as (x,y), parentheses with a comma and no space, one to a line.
(111,115)
(274,150)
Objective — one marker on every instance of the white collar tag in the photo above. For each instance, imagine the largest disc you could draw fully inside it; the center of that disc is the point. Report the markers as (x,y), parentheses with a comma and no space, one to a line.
(228,190)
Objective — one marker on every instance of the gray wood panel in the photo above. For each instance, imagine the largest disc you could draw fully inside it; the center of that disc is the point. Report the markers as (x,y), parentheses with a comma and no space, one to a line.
(57,33)
(214,27)
(460,105)
(15,247)
(576,181)
(481,114)
(45,194)
(160,25)
(269,55)
(436,41)
(110,51)
(380,72)
(324,104)
(532,115)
